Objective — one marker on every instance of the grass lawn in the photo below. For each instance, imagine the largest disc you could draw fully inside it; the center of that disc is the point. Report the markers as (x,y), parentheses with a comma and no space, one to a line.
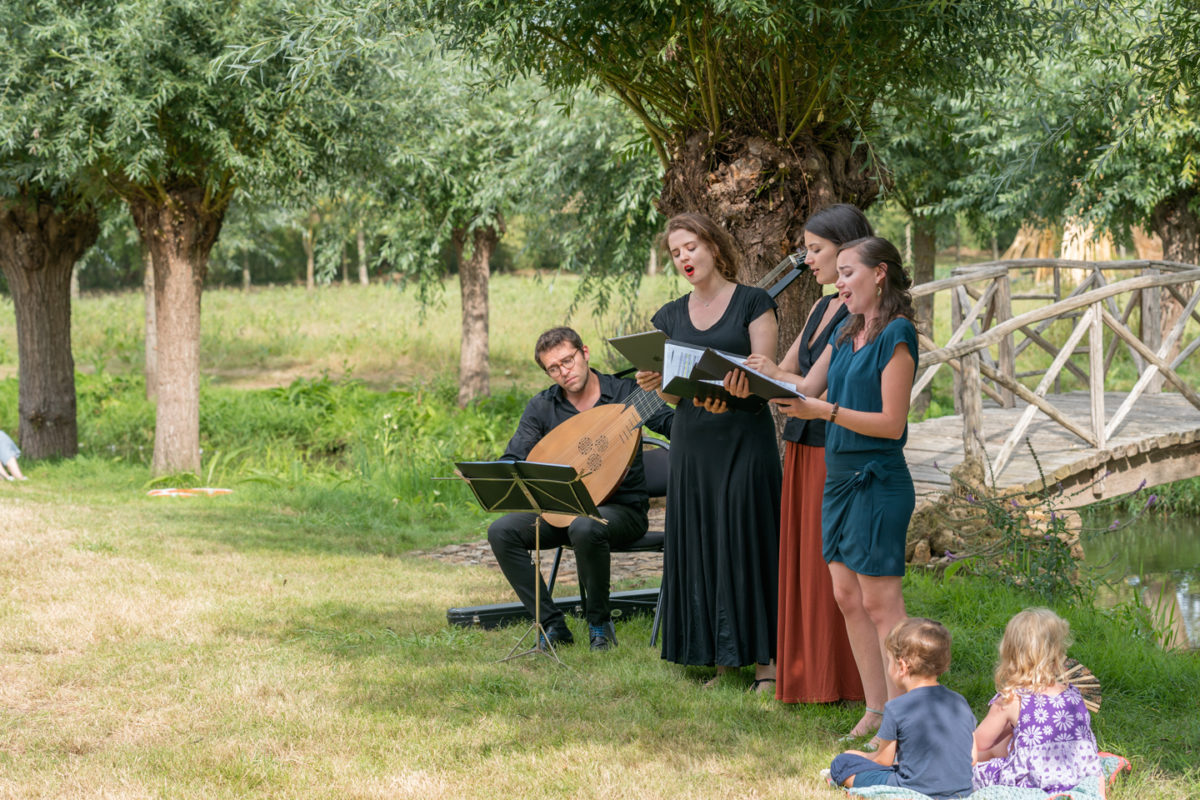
(250,646)
(283,642)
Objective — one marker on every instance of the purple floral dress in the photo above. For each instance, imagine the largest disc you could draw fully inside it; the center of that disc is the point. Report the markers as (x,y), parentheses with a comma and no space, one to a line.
(1052,747)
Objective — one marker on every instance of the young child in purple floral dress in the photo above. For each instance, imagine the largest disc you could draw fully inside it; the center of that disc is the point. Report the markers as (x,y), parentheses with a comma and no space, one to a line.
(1037,733)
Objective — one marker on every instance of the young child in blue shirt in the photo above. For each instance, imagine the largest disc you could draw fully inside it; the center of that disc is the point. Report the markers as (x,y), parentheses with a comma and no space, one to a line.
(927,731)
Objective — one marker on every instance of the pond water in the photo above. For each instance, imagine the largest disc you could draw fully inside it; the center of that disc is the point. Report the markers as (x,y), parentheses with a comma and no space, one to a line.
(1158,559)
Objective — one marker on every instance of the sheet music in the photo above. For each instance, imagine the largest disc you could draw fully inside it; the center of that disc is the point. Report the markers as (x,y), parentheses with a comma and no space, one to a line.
(678,360)
(741,362)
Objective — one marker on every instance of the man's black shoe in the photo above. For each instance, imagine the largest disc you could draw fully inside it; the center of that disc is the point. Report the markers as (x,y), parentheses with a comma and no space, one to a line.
(602,637)
(559,636)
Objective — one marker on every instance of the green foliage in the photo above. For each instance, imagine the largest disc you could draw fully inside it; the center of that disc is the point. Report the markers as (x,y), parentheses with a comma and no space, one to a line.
(776,70)
(314,431)
(1180,498)
(1100,130)
(115,418)
(1027,547)
(133,94)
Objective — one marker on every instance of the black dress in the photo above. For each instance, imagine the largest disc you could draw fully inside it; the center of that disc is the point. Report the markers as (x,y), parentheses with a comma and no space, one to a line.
(721,555)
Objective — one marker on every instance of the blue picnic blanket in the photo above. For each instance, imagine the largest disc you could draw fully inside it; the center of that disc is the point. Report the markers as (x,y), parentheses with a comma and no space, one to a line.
(1091,789)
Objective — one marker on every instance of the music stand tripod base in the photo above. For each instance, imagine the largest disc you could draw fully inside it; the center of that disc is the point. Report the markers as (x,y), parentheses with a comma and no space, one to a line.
(537,488)
(537,628)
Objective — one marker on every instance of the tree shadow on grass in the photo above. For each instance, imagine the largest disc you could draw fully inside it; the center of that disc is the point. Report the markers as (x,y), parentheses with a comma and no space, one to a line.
(624,701)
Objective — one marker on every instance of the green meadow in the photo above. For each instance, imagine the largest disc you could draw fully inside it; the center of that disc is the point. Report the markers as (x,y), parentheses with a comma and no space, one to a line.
(283,641)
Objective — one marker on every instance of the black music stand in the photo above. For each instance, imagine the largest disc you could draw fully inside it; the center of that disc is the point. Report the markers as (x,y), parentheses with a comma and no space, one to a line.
(537,488)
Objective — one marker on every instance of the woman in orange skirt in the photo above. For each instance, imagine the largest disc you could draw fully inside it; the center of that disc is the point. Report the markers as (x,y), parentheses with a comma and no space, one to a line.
(815,663)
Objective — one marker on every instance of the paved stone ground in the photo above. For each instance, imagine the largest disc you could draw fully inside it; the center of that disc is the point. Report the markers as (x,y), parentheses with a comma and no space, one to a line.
(630,570)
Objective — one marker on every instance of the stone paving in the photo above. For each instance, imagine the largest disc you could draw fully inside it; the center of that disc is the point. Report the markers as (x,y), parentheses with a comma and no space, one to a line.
(631,570)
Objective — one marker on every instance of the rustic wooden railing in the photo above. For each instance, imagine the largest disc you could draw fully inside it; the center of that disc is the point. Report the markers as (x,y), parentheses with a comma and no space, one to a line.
(987,341)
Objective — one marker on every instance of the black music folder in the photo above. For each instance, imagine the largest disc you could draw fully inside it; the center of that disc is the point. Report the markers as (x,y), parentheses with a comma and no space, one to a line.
(681,378)
(716,363)
(644,350)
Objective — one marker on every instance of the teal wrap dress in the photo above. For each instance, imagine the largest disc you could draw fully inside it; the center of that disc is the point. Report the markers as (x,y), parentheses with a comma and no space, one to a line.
(869,496)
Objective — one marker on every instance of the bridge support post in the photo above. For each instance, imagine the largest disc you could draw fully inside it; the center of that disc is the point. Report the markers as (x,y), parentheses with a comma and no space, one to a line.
(970,399)
(1096,389)
(956,321)
(1006,357)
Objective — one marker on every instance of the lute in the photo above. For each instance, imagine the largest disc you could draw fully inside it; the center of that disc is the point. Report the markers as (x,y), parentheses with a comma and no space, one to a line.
(599,443)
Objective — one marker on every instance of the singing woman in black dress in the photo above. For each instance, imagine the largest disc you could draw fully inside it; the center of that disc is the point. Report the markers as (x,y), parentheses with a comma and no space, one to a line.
(721,556)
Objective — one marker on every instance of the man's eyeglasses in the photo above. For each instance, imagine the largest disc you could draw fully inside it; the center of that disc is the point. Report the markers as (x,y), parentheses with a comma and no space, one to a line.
(559,367)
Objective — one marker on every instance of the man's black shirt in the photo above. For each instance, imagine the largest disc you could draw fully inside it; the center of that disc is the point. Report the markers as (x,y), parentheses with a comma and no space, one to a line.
(549,408)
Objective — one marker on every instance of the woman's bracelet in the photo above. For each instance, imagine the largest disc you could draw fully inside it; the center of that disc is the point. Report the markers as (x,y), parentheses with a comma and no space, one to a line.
(833,413)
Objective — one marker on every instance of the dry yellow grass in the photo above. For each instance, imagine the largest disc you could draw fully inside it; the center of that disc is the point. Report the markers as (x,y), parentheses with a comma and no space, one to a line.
(147,653)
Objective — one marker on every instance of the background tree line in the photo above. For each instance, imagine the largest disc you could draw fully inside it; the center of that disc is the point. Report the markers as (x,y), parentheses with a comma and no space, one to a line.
(427,138)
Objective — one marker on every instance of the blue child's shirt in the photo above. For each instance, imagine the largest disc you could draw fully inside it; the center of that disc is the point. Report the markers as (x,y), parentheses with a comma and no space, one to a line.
(933,728)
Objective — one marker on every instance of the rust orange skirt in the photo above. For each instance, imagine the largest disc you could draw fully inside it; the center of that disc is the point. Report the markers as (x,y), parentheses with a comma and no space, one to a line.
(814,662)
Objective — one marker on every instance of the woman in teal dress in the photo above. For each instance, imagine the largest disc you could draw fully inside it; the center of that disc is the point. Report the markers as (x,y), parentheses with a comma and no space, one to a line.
(867,374)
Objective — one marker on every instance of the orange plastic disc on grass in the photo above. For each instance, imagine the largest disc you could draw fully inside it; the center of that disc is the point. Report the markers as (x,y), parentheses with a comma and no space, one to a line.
(169,493)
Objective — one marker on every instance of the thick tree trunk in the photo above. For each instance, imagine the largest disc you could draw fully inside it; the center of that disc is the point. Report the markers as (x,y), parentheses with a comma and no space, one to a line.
(363,278)
(762,194)
(924,253)
(151,368)
(179,231)
(39,245)
(1179,228)
(473,276)
(924,247)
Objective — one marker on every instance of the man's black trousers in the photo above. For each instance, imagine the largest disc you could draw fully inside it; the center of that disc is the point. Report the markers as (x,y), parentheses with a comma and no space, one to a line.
(512,539)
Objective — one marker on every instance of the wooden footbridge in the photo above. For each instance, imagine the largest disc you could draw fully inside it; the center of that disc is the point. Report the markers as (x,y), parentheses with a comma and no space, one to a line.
(1111,409)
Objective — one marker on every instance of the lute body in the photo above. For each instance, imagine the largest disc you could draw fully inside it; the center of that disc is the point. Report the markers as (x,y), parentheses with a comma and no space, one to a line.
(599,443)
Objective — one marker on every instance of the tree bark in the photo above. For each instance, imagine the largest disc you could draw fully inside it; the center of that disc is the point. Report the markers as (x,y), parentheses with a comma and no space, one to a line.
(924,256)
(924,247)
(308,238)
(363,278)
(151,368)
(246,271)
(473,276)
(39,245)
(762,194)
(1179,228)
(179,229)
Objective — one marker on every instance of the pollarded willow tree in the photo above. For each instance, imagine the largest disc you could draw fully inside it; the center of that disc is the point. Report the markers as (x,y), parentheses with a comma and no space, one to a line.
(482,155)
(132,95)
(43,233)
(48,220)
(758,110)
